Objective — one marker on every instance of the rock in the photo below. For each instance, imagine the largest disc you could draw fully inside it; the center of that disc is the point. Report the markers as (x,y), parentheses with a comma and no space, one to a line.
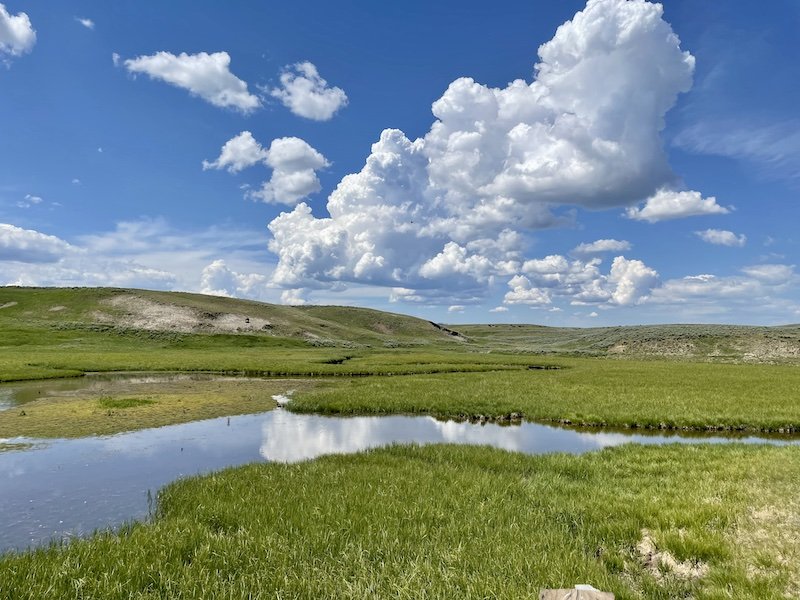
(579,592)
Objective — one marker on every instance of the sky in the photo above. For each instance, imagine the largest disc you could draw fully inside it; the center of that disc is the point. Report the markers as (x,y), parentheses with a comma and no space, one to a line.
(565,163)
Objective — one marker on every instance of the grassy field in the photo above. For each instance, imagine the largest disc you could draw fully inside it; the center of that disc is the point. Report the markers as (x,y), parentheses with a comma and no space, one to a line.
(452,522)
(595,392)
(120,406)
(405,522)
(236,357)
(455,379)
(719,343)
(48,332)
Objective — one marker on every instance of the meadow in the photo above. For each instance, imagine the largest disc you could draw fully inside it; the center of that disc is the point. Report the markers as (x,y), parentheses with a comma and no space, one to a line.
(119,407)
(452,522)
(588,392)
(699,521)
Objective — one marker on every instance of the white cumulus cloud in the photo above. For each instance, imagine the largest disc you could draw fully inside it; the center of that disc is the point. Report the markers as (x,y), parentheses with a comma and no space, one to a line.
(667,204)
(307,94)
(293,161)
(524,292)
(217,279)
(17,35)
(30,246)
(581,282)
(238,153)
(601,246)
(722,237)
(758,290)
(294,297)
(205,75)
(294,166)
(448,211)
(631,281)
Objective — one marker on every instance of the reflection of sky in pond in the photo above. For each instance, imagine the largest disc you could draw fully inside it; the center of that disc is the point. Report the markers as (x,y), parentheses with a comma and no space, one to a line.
(64,488)
(6,399)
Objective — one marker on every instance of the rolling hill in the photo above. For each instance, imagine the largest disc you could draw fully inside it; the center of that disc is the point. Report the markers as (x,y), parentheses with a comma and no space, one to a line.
(177,313)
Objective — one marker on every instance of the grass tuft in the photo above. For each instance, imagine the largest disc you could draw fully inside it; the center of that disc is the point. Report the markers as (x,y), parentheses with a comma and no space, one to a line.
(121,403)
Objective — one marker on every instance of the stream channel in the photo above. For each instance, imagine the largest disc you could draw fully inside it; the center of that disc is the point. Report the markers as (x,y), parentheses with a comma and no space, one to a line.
(62,488)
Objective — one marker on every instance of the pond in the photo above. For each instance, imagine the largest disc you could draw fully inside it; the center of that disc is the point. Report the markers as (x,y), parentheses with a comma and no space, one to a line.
(59,489)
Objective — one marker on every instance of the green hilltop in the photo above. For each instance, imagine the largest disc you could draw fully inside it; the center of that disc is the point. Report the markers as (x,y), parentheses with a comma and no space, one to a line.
(69,317)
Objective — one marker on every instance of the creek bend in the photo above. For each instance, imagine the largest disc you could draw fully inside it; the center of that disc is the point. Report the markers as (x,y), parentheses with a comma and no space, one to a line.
(62,488)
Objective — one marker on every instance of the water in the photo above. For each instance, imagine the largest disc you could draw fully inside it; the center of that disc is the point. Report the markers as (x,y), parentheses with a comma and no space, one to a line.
(65,488)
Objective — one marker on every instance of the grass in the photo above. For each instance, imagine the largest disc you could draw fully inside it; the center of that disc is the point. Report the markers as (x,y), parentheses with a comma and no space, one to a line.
(433,522)
(92,309)
(450,522)
(595,392)
(140,406)
(723,343)
(111,403)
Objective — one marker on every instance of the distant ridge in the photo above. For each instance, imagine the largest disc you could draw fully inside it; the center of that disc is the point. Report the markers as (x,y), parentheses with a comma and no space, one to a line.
(121,309)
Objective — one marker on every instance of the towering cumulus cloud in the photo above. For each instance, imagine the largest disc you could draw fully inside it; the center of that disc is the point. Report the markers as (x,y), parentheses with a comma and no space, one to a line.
(16,33)
(447,211)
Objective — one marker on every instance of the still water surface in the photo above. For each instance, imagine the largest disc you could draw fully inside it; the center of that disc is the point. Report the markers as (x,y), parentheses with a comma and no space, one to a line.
(59,489)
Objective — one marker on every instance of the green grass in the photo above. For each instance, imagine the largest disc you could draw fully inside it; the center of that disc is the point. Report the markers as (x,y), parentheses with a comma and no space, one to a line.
(450,522)
(140,406)
(97,309)
(407,522)
(110,402)
(595,392)
(722,343)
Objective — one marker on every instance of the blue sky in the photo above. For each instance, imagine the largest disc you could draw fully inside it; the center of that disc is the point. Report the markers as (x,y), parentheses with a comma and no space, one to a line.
(643,167)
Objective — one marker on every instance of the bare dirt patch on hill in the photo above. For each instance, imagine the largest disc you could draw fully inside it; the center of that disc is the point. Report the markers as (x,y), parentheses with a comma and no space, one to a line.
(140,313)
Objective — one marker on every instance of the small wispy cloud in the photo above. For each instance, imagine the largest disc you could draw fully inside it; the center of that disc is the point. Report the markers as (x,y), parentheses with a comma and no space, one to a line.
(88,23)
(722,237)
(600,246)
(774,146)
(29,200)
(667,204)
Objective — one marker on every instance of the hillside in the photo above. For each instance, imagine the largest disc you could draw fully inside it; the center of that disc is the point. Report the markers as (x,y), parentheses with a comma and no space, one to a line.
(26,312)
(111,309)
(716,342)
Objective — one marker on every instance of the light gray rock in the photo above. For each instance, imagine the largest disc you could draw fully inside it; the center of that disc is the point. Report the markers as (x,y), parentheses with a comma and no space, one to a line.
(579,592)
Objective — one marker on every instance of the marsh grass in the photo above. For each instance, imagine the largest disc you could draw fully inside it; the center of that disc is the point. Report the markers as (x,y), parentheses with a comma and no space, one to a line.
(153,405)
(589,391)
(111,402)
(441,522)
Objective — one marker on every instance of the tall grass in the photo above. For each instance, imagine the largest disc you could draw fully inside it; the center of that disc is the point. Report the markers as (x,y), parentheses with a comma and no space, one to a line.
(446,522)
(596,392)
